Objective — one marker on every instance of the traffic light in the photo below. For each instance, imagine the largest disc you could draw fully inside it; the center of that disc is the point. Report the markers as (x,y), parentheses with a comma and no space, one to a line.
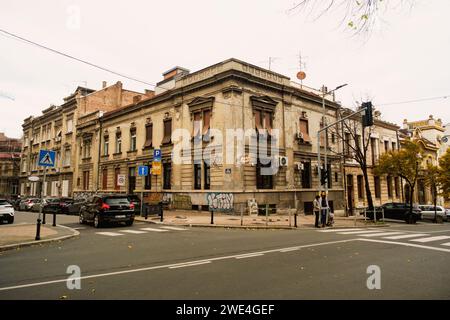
(367,118)
(324,177)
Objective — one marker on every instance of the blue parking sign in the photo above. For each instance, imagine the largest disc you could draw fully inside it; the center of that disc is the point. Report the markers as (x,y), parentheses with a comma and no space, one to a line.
(142,171)
(47,158)
(157,155)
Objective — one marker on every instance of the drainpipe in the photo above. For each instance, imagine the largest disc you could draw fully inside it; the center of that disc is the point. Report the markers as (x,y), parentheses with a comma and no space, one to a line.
(401,179)
(100,115)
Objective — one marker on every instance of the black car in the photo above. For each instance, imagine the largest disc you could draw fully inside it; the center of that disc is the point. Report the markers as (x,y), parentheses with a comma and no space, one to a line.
(134,199)
(396,211)
(57,205)
(74,208)
(102,209)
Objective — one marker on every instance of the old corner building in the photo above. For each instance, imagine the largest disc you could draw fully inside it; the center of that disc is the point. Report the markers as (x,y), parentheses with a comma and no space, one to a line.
(229,95)
(9,166)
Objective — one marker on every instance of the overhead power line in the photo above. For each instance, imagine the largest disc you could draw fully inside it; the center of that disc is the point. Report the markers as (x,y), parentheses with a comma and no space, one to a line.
(412,101)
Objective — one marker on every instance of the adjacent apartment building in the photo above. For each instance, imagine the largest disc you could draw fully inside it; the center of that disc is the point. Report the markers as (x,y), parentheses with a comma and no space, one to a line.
(213,107)
(55,130)
(9,166)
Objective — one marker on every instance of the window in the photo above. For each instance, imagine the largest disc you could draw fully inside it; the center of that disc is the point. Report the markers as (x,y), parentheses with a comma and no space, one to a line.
(397,187)
(358,142)
(304,130)
(85,180)
(373,146)
(360,182)
(116,177)
(197,124)
(87,149)
(306,174)
(69,125)
(336,177)
(263,179)
(67,155)
(386,146)
(167,139)
(148,136)
(347,138)
(167,173)
(133,139)
(323,134)
(207,176)
(105,179)
(206,121)
(377,187)
(131,179)
(394,146)
(118,142)
(263,121)
(105,145)
(197,176)
(389,186)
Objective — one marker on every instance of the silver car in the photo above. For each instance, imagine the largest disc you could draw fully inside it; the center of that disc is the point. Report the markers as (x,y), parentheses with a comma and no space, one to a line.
(428,212)
(6,211)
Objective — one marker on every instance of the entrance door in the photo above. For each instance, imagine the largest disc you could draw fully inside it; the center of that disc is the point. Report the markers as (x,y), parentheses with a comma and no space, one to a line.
(350,194)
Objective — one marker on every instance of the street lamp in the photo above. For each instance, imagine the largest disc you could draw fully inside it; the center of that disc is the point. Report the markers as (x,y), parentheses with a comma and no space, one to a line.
(326,144)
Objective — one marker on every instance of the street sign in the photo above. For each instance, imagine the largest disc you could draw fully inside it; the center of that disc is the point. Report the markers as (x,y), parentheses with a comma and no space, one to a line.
(157,155)
(46,158)
(142,171)
(121,180)
(156,168)
(33,178)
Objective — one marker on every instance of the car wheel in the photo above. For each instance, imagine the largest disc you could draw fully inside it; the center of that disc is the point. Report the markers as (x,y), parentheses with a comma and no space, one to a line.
(129,223)
(10,221)
(81,218)
(97,222)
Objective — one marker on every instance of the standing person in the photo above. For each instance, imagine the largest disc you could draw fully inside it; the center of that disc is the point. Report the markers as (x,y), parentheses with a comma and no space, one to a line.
(323,209)
(316,209)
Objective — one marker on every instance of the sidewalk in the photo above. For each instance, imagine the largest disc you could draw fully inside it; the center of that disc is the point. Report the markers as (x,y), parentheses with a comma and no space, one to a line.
(20,235)
(274,221)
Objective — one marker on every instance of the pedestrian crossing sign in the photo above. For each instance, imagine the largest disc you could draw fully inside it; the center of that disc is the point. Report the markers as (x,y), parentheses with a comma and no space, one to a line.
(46,158)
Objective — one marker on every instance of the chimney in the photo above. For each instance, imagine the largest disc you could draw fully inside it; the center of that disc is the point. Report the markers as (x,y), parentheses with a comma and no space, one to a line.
(405,124)
(431,120)
(170,77)
(104,84)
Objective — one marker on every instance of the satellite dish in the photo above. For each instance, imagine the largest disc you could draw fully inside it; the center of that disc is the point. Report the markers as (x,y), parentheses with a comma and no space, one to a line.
(301,75)
(33,178)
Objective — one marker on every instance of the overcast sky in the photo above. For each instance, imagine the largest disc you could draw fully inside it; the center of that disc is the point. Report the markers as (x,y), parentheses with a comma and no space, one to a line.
(406,58)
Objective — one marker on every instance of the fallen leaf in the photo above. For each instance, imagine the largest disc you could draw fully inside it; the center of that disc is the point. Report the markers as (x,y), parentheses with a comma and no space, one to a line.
(63,297)
(130,247)
(45,260)
(93,290)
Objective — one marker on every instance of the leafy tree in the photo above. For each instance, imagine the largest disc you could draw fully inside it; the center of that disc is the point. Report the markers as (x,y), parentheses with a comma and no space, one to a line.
(405,163)
(432,177)
(444,164)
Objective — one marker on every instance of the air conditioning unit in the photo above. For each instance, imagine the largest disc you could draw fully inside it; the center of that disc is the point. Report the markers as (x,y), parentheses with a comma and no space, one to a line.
(283,161)
(299,136)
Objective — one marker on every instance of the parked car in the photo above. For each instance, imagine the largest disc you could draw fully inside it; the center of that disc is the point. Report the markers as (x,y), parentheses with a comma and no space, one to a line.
(428,213)
(56,205)
(397,211)
(35,207)
(6,211)
(74,207)
(134,199)
(102,209)
(27,204)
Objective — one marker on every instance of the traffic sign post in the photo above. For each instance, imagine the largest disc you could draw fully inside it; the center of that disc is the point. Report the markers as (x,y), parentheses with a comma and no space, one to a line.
(143,172)
(46,159)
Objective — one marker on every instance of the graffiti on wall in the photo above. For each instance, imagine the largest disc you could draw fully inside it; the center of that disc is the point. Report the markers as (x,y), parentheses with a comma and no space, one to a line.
(220,201)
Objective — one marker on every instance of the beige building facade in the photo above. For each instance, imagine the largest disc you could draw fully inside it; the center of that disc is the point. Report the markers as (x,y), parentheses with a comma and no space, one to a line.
(9,166)
(206,105)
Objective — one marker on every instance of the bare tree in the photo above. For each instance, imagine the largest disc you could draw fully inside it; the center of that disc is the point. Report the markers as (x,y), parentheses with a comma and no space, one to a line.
(355,141)
(359,16)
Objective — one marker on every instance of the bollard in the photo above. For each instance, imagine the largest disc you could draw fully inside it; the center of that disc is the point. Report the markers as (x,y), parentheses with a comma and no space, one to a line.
(289,216)
(267,214)
(54,219)
(212,217)
(38,229)
(242,216)
(162,212)
(295,219)
(43,219)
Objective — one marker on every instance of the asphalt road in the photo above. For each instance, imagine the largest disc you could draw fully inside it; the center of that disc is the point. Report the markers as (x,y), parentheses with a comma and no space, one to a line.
(120,262)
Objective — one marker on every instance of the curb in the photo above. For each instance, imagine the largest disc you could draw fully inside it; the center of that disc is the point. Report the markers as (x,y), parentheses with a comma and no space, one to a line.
(31,243)
(196,225)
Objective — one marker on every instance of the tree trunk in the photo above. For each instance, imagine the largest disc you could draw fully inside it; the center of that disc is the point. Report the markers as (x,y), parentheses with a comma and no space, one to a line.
(367,187)
(434,201)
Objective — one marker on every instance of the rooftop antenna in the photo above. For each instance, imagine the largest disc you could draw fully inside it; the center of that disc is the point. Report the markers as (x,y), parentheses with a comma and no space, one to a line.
(301,75)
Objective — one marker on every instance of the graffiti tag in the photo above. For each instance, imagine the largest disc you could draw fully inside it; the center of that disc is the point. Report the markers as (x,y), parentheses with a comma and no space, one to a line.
(220,201)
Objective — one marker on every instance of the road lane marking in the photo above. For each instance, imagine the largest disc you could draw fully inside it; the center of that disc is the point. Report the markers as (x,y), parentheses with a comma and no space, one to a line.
(174,228)
(79,228)
(154,229)
(290,249)
(245,256)
(406,236)
(133,231)
(100,275)
(358,232)
(446,244)
(429,239)
(190,264)
(406,244)
(379,234)
(110,234)
(337,230)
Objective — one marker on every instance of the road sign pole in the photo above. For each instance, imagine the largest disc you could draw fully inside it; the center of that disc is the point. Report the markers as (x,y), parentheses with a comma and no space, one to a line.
(142,194)
(38,224)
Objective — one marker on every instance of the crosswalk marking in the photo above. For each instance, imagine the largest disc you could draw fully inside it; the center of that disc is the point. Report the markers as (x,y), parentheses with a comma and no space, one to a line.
(154,229)
(430,239)
(358,232)
(133,231)
(379,234)
(446,244)
(406,236)
(111,234)
(174,228)
(337,230)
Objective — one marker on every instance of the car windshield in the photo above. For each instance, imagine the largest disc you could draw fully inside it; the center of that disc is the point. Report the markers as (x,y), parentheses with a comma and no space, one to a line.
(116,201)
(3,202)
